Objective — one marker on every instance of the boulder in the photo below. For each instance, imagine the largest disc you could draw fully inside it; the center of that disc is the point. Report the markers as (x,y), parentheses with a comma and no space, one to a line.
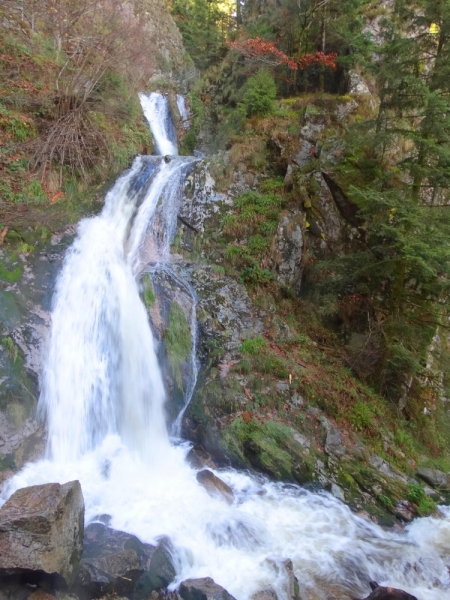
(215,487)
(387,593)
(434,477)
(285,573)
(115,561)
(198,458)
(287,249)
(334,445)
(41,532)
(292,591)
(203,589)
(405,510)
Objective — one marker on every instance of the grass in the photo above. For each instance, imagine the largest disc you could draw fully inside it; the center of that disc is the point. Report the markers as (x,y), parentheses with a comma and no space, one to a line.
(253,347)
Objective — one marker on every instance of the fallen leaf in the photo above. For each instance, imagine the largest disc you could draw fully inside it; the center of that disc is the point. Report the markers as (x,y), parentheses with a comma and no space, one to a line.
(246,417)
(247,393)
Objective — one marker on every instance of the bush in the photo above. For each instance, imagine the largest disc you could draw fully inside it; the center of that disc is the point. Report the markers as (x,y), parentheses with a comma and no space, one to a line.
(260,94)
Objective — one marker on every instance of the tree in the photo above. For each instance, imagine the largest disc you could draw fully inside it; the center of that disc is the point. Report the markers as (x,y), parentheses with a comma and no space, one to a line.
(204,26)
(402,269)
(260,94)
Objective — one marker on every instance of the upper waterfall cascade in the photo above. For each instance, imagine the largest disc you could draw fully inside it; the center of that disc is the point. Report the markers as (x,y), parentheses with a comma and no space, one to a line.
(103,400)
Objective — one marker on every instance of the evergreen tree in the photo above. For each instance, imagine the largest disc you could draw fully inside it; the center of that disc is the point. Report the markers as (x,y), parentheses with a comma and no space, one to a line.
(204,27)
(403,268)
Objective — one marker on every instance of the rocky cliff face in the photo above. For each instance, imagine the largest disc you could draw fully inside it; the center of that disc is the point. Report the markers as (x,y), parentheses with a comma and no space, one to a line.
(173,59)
(26,289)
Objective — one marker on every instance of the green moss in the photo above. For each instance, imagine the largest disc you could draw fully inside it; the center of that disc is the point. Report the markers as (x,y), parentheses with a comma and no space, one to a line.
(10,276)
(178,341)
(268,446)
(11,348)
(149,294)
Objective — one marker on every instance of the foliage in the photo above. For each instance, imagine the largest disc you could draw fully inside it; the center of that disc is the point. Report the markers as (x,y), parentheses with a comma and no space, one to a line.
(253,346)
(204,25)
(416,494)
(260,94)
(400,271)
(361,416)
(266,52)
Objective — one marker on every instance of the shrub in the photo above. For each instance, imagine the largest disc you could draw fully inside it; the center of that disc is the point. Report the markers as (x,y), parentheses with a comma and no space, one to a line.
(260,94)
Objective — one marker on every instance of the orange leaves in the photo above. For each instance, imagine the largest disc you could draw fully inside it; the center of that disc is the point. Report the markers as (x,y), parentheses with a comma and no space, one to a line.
(266,52)
(56,196)
(320,58)
(260,49)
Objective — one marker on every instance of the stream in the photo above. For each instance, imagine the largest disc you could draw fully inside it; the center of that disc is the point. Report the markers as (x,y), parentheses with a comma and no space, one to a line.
(102,396)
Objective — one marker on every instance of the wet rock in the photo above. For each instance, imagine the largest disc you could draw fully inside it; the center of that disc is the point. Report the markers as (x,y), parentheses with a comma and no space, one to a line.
(268,594)
(292,589)
(203,589)
(41,530)
(215,486)
(13,590)
(198,458)
(115,561)
(434,477)
(387,593)
(285,571)
(333,444)
(404,510)
(287,249)
(337,492)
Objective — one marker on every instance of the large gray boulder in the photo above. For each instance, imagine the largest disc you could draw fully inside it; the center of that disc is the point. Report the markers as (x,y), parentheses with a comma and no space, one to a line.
(41,531)
(117,562)
(203,589)
(434,477)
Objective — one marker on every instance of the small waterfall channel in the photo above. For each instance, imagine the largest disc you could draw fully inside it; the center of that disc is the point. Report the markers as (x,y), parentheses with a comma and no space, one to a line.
(103,399)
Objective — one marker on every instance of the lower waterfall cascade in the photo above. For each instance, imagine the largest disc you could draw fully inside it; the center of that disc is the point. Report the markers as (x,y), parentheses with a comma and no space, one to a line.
(102,396)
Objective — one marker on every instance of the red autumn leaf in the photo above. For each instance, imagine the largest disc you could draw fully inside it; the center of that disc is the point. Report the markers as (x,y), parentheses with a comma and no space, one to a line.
(266,52)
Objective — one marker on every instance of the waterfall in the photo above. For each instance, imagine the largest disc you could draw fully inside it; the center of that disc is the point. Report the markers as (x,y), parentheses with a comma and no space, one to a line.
(181,103)
(103,399)
(157,112)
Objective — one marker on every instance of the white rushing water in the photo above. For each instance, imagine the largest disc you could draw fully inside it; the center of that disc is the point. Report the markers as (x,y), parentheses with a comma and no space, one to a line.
(103,399)
(181,103)
(157,112)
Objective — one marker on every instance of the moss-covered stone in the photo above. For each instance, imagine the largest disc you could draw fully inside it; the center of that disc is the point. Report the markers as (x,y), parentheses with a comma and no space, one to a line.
(178,342)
